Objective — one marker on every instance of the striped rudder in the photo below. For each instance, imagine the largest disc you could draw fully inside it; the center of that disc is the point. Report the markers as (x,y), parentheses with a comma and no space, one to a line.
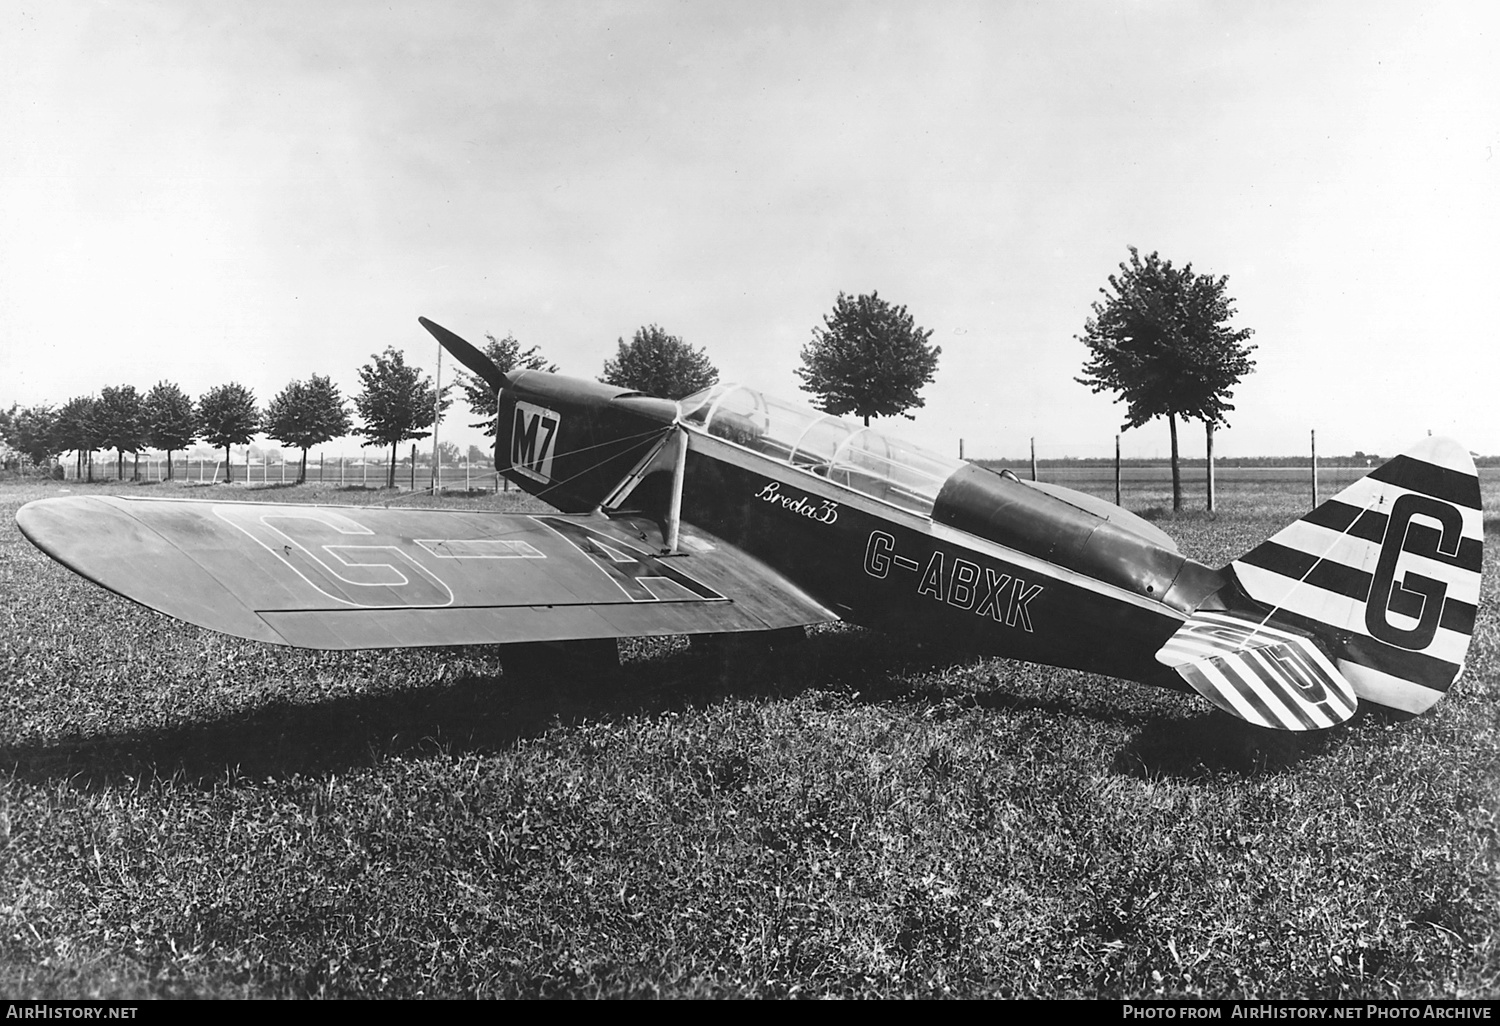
(1262,673)
(1386,574)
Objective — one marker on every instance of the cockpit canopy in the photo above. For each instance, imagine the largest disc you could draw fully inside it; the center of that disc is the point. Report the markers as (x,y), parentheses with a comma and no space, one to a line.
(844,452)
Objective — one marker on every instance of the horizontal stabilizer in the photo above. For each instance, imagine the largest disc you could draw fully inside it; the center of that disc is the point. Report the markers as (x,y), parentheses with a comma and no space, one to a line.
(1262,674)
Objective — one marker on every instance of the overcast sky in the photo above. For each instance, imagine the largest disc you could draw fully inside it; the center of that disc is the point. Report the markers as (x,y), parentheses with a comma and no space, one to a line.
(260,191)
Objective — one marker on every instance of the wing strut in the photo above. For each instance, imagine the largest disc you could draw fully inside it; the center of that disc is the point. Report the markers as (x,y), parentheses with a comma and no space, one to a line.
(674,511)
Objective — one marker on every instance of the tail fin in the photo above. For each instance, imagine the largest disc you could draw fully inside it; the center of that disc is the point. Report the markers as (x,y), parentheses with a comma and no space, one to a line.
(1385,575)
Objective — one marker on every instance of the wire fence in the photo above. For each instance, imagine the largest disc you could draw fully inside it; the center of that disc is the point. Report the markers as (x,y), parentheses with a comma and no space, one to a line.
(1134,483)
(340,471)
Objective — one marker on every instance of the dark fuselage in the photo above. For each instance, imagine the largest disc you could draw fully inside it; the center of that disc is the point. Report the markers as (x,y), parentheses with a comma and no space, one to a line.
(890,569)
(998,567)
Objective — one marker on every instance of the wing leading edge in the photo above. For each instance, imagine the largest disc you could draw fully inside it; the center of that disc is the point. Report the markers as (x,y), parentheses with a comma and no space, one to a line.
(352,577)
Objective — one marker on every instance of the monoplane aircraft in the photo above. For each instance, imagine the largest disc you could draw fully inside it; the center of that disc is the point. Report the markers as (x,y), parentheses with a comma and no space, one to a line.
(731,511)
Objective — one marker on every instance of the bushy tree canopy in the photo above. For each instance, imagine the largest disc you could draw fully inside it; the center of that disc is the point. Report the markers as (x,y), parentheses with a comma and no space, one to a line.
(869,359)
(120,422)
(78,431)
(305,414)
(507,354)
(1161,340)
(396,404)
(228,416)
(171,422)
(32,431)
(659,364)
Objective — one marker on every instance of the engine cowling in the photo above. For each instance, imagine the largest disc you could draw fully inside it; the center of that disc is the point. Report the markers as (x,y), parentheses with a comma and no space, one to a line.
(570,441)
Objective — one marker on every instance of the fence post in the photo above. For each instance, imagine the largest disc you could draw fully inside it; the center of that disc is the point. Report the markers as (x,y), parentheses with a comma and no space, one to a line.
(1033,457)
(1210,431)
(1117,471)
(1315,467)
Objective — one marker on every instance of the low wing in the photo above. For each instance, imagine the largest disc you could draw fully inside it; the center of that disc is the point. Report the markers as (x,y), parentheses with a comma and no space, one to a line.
(1266,675)
(351,577)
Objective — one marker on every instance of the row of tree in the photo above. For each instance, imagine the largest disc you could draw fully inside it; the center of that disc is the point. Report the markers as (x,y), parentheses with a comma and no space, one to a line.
(395,404)
(1160,339)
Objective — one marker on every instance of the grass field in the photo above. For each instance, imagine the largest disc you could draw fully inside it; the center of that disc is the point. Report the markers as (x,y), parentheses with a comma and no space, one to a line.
(184,814)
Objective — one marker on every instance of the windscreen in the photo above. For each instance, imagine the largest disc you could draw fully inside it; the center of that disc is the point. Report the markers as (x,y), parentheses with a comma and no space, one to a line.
(842,451)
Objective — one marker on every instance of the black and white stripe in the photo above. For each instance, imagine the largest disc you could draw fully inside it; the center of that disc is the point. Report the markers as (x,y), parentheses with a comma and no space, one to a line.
(1317,574)
(1259,672)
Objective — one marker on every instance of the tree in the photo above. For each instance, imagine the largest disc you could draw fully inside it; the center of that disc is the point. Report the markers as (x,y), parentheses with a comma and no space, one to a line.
(869,359)
(505,353)
(1161,340)
(120,423)
(78,432)
(305,414)
(32,431)
(228,416)
(659,364)
(170,420)
(396,404)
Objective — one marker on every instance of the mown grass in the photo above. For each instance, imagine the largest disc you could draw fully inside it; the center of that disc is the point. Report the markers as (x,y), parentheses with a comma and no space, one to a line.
(186,814)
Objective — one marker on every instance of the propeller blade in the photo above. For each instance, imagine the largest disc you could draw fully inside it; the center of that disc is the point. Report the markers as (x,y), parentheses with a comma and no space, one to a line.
(467,354)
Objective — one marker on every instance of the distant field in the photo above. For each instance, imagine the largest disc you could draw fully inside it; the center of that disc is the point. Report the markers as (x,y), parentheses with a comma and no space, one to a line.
(1144,488)
(184,814)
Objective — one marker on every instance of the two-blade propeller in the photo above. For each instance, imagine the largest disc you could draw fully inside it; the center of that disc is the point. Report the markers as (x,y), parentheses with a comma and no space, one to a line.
(467,354)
